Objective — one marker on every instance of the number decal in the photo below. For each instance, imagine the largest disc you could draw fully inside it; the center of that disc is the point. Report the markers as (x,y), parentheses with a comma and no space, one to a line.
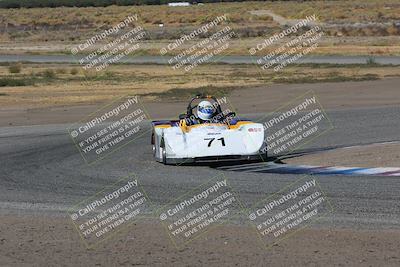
(212,139)
(222,141)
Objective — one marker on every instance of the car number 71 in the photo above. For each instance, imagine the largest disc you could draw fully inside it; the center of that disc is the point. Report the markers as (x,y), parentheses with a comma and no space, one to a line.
(212,139)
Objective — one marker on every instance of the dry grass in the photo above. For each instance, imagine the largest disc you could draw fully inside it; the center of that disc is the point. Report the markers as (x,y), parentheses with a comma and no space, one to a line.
(340,11)
(149,15)
(54,30)
(72,24)
(151,80)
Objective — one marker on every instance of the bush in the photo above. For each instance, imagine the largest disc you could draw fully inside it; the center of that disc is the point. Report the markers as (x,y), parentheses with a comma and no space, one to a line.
(16,68)
(74,71)
(109,75)
(49,73)
(61,71)
(15,82)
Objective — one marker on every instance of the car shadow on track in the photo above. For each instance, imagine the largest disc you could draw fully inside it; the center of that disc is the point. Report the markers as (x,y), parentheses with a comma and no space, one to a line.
(278,159)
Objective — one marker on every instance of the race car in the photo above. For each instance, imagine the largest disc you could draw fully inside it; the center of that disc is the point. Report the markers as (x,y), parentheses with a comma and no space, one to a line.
(206,133)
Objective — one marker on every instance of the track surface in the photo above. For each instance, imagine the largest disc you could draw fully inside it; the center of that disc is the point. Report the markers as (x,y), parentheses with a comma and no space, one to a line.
(42,172)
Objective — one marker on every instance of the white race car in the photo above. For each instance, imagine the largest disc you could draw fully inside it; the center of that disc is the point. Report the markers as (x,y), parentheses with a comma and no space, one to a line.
(209,134)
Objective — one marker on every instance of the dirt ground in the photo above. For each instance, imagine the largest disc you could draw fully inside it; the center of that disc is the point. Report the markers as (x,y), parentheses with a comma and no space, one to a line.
(49,241)
(51,85)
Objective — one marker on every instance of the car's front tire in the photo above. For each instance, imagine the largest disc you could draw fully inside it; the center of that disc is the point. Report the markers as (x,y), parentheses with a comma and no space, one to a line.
(163,151)
(164,156)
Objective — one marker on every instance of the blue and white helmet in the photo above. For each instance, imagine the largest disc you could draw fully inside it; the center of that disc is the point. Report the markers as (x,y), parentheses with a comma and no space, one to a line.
(205,110)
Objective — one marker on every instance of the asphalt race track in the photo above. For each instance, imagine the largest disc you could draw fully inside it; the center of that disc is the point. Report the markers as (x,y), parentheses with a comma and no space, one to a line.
(43,173)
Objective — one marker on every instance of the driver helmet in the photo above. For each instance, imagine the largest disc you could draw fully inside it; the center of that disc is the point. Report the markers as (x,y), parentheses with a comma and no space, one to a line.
(205,110)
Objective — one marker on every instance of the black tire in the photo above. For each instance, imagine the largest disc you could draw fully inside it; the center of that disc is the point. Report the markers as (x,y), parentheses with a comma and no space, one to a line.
(163,151)
(164,156)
